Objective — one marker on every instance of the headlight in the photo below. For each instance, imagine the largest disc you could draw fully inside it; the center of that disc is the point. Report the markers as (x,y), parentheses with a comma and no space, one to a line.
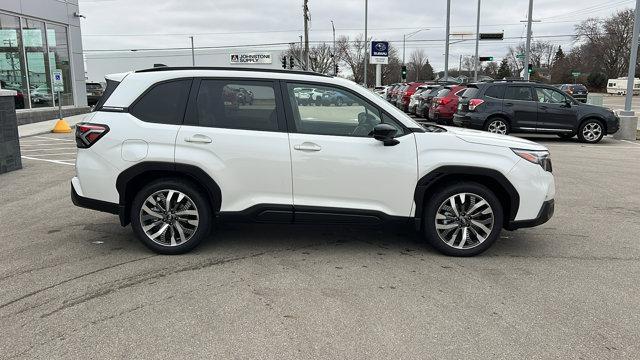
(540,157)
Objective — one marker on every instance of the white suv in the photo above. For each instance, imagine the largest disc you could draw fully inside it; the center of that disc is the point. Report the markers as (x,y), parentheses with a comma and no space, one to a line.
(171,149)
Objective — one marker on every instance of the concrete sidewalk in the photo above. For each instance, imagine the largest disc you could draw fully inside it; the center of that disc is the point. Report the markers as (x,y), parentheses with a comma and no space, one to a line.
(45,127)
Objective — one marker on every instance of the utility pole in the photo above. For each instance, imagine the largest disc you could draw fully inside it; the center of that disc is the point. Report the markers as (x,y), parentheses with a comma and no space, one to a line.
(460,66)
(366,42)
(404,45)
(477,60)
(446,49)
(193,53)
(335,73)
(305,10)
(301,54)
(527,53)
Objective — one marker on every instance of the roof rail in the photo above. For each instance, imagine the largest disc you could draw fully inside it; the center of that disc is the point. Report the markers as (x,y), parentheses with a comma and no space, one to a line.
(228,68)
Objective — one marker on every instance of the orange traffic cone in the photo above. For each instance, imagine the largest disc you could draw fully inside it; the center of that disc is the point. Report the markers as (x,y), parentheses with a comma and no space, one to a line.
(61,127)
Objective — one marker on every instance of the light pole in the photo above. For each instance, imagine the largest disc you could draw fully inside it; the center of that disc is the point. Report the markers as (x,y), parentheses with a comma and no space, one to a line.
(476,62)
(527,53)
(366,42)
(628,119)
(446,49)
(404,43)
(335,72)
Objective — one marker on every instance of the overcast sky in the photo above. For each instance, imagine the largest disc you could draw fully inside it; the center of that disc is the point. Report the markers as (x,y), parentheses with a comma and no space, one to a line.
(153,24)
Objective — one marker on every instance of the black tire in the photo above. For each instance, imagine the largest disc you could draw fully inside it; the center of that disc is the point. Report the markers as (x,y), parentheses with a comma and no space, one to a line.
(590,137)
(202,205)
(566,135)
(495,122)
(443,195)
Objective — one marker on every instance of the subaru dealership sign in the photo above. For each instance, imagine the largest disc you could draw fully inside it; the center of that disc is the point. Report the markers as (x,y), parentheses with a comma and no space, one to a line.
(379,52)
(253,58)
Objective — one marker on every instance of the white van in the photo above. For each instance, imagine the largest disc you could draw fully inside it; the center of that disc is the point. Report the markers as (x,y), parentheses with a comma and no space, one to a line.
(619,86)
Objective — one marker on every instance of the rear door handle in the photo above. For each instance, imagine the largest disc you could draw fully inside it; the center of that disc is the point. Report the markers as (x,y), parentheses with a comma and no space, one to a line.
(199,139)
(542,107)
(508,104)
(307,146)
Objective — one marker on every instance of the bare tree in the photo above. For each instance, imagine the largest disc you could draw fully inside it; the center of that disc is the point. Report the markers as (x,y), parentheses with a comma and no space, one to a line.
(417,60)
(320,59)
(351,52)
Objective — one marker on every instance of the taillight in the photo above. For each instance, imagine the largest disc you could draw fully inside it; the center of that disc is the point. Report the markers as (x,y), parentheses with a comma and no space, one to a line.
(474,103)
(88,134)
(445,101)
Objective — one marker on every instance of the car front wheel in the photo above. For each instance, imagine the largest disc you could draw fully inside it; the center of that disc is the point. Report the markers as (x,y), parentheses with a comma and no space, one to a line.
(591,131)
(463,219)
(170,216)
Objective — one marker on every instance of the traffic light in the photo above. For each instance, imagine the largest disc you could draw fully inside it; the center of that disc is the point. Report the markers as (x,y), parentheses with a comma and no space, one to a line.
(486,58)
(404,72)
(290,62)
(335,70)
(284,62)
(530,69)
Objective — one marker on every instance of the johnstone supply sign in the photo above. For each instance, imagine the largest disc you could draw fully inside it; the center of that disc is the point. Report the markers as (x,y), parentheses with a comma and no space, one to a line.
(252,58)
(379,52)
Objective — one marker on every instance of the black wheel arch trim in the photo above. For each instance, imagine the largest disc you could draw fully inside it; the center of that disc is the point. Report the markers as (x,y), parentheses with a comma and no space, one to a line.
(140,171)
(430,180)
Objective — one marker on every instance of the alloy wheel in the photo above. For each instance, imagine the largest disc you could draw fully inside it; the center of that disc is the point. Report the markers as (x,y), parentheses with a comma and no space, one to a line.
(497,127)
(464,220)
(592,131)
(169,217)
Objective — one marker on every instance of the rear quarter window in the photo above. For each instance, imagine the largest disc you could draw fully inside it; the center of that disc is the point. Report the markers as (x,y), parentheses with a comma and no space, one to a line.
(163,103)
(469,92)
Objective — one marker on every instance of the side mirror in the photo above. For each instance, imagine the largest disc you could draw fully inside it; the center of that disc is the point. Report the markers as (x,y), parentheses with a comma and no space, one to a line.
(385,133)
(568,103)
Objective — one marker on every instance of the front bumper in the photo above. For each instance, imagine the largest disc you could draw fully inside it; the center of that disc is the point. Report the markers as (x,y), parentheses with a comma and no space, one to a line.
(546,212)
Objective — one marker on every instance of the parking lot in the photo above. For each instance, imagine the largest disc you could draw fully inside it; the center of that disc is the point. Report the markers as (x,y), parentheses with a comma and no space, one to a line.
(74,284)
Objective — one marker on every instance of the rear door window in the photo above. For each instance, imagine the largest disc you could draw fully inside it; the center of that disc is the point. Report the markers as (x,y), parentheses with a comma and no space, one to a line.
(238,104)
(522,93)
(495,91)
(163,103)
(443,92)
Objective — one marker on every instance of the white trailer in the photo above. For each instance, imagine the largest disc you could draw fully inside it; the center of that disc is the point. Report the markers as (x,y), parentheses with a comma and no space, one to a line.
(619,86)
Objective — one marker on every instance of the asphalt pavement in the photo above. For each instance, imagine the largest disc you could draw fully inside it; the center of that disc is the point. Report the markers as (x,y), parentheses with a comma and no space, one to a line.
(74,284)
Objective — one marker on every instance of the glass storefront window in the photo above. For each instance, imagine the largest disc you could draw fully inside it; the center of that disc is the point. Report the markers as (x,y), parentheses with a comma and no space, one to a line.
(59,60)
(38,69)
(12,65)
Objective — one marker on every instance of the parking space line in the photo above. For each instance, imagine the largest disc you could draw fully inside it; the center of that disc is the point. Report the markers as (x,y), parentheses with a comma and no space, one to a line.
(44,144)
(631,142)
(49,149)
(54,154)
(51,161)
(50,138)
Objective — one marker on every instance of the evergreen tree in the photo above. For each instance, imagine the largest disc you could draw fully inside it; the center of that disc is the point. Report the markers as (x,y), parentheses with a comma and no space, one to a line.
(504,72)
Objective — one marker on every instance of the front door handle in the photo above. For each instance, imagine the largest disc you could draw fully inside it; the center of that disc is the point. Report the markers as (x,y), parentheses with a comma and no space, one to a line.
(508,104)
(542,107)
(307,146)
(199,139)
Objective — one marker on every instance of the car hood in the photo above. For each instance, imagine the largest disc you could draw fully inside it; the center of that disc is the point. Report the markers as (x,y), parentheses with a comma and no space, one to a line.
(487,138)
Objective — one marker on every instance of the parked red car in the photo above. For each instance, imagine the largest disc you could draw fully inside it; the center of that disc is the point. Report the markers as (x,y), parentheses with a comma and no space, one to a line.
(444,104)
(405,96)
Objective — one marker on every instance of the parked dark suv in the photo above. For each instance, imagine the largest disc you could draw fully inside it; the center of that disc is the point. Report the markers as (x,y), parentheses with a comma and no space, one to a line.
(520,106)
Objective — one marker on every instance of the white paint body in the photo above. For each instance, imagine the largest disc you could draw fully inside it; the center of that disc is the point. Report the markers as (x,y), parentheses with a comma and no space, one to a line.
(257,167)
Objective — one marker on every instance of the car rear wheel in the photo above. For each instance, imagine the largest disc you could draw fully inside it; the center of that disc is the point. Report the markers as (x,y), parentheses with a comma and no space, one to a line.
(497,126)
(170,216)
(463,219)
(591,131)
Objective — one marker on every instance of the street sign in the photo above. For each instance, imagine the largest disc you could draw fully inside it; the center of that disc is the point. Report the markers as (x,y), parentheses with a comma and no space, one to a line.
(491,36)
(575,73)
(58,81)
(520,56)
(379,52)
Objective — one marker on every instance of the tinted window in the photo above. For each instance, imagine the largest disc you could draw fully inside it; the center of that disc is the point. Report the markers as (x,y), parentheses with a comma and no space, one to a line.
(469,92)
(496,92)
(443,92)
(164,103)
(550,96)
(579,87)
(237,104)
(342,114)
(518,93)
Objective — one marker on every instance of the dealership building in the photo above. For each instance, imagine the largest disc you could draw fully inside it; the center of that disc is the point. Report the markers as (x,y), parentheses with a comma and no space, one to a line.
(38,38)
